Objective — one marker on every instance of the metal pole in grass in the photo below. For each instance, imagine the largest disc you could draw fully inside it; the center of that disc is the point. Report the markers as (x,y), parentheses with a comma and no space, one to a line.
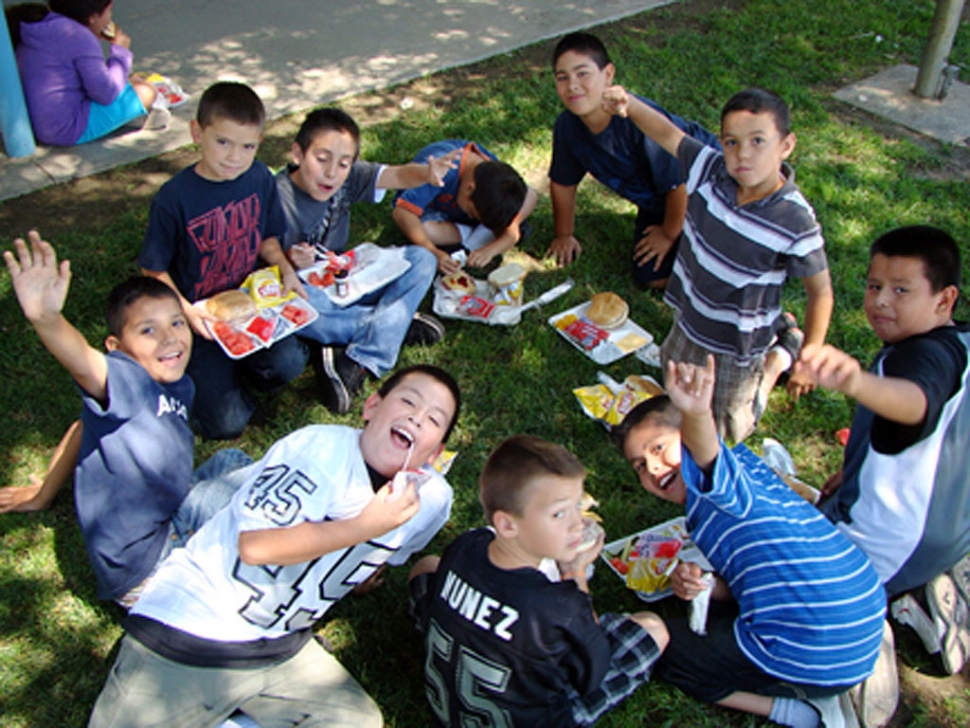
(18,137)
(935,73)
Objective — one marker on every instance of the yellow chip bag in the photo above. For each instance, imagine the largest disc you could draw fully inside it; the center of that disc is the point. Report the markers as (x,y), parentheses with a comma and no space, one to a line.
(266,288)
(648,575)
(595,400)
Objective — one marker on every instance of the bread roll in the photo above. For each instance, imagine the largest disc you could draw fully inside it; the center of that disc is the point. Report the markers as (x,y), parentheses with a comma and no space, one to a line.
(231,306)
(607,310)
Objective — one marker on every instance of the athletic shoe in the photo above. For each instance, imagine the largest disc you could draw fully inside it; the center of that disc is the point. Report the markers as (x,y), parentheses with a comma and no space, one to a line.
(789,340)
(876,698)
(835,711)
(424,330)
(949,611)
(158,119)
(339,380)
(906,610)
(961,577)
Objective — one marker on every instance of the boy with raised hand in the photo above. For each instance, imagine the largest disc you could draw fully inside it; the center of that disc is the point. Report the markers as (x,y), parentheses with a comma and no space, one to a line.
(747,230)
(511,636)
(480,207)
(587,138)
(134,490)
(317,190)
(226,623)
(796,611)
(903,494)
(209,227)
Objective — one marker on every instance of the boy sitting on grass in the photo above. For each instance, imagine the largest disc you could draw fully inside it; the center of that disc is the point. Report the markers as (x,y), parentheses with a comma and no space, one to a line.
(903,494)
(747,230)
(797,610)
(480,207)
(506,643)
(134,490)
(209,227)
(227,622)
(588,138)
(316,191)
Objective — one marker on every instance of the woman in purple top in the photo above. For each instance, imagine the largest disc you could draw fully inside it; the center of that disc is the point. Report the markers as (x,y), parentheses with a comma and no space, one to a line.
(73,94)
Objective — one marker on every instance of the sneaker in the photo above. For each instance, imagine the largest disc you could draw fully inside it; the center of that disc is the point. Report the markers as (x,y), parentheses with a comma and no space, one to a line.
(876,698)
(789,340)
(950,614)
(158,119)
(961,577)
(835,711)
(424,330)
(340,379)
(906,610)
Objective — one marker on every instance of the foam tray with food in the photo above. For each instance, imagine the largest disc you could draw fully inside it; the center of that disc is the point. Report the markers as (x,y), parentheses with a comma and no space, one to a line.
(269,325)
(668,542)
(369,267)
(601,345)
(477,306)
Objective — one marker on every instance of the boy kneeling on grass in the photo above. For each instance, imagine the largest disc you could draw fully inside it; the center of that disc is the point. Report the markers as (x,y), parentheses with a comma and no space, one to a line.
(510,633)
(797,611)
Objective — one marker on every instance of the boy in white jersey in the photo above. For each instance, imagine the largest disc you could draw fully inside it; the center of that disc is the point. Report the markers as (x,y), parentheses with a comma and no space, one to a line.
(227,624)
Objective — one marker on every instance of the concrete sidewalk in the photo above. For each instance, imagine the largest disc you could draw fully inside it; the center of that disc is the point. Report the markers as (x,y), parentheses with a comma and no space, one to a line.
(299,54)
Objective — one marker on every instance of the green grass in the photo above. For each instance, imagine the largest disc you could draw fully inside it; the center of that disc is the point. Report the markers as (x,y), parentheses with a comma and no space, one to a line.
(56,640)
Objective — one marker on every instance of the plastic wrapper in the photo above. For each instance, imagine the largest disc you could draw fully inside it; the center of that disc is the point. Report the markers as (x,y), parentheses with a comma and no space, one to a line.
(699,606)
(650,558)
(611,404)
(266,288)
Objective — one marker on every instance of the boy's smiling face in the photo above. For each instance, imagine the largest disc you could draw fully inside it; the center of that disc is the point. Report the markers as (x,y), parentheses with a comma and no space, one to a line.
(580,83)
(157,336)
(754,149)
(416,413)
(653,449)
(323,168)
(900,301)
(228,148)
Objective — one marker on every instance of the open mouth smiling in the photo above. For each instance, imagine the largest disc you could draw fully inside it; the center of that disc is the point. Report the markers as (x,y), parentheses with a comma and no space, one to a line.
(667,480)
(402,437)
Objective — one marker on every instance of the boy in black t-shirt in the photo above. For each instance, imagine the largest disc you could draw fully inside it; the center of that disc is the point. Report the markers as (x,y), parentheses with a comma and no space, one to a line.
(510,631)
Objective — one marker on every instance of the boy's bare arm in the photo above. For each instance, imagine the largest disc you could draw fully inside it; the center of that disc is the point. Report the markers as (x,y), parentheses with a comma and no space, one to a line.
(818,314)
(195,315)
(657,240)
(655,125)
(509,237)
(691,389)
(410,224)
(893,398)
(272,253)
(313,539)
(565,248)
(40,493)
(41,286)
(415,174)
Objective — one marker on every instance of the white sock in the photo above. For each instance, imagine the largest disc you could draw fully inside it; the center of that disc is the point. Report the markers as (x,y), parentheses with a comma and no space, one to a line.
(794,713)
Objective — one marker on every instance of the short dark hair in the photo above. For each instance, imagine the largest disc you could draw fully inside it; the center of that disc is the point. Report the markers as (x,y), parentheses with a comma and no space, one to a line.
(585,44)
(323,120)
(79,10)
(937,249)
(230,100)
(658,409)
(514,465)
(498,195)
(125,294)
(434,372)
(757,100)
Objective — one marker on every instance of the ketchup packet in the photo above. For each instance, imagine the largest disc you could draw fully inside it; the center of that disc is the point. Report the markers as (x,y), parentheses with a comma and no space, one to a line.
(475,307)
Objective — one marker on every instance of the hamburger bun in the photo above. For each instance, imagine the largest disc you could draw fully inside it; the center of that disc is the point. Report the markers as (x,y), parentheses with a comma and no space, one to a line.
(460,282)
(607,310)
(231,306)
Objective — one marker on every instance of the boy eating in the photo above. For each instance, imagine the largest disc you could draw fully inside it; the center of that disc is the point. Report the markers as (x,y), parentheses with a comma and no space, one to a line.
(134,490)
(909,436)
(316,191)
(587,138)
(747,230)
(509,606)
(796,609)
(208,229)
(226,623)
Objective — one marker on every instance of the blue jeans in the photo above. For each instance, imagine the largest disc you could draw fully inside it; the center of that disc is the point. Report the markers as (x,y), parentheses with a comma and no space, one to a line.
(374,327)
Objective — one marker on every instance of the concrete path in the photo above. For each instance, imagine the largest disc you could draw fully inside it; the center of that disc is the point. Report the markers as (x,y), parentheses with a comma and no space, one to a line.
(299,54)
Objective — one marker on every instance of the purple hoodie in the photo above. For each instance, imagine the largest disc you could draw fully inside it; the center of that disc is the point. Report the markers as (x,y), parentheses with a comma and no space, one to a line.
(63,70)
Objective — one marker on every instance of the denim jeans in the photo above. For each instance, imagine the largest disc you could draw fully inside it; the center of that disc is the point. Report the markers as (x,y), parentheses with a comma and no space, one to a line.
(373,328)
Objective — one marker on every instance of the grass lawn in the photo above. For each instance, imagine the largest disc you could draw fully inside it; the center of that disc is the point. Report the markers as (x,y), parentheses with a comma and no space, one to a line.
(863,178)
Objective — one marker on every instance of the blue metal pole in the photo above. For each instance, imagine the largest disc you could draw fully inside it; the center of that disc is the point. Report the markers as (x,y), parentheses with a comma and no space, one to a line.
(18,137)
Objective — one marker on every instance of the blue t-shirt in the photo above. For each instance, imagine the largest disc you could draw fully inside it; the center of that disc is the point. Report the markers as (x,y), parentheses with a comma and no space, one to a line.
(133,471)
(621,157)
(811,607)
(444,199)
(206,235)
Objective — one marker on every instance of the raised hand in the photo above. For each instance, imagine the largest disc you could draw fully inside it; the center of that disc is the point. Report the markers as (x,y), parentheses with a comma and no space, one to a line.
(40,283)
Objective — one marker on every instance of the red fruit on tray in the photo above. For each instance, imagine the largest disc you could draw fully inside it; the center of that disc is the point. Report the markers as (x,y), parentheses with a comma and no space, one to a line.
(235,341)
(315,279)
(295,314)
(261,328)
